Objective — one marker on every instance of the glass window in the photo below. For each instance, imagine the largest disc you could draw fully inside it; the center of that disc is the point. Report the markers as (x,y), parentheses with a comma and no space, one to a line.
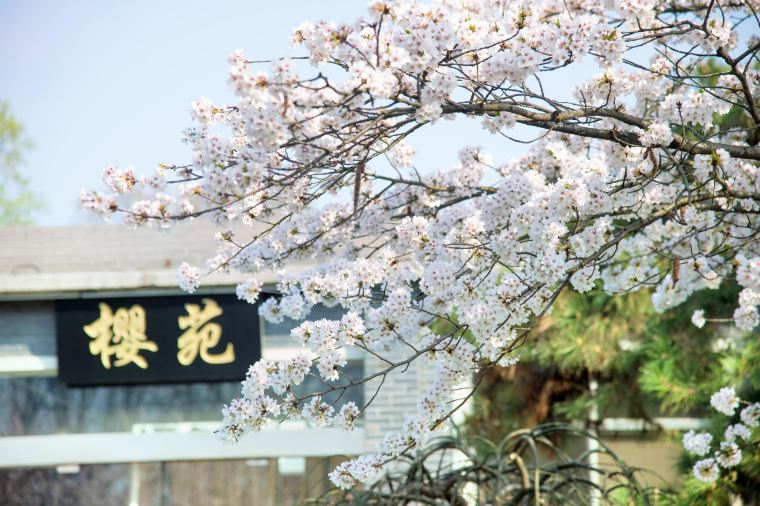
(44,405)
(27,328)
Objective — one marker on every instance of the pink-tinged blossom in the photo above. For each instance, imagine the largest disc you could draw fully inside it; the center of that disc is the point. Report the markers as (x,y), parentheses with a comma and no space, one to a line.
(270,310)
(318,413)
(188,277)
(748,272)
(296,368)
(363,469)
(119,180)
(249,290)
(750,415)
(706,470)
(697,443)
(746,318)
(698,318)
(203,110)
(728,455)
(329,364)
(104,205)
(725,401)
(347,416)
(736,430)
(393,444)
(658,134)
(341,476)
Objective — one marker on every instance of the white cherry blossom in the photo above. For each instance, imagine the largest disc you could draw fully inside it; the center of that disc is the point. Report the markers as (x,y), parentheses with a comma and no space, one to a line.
(631,182)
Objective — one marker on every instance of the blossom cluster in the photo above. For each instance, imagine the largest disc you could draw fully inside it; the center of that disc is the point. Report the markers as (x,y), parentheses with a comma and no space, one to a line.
(632,183)
(729,453)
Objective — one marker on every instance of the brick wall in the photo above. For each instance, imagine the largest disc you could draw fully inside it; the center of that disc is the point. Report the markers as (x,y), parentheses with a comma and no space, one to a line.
(398,397)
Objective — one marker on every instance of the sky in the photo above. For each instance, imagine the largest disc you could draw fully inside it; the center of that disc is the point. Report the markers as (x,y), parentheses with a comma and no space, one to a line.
(97,83)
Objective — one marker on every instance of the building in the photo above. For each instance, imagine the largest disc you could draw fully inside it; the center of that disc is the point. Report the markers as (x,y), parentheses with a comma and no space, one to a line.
(92,441)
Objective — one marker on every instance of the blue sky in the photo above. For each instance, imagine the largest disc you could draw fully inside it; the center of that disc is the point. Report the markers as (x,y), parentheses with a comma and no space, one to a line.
(99,83)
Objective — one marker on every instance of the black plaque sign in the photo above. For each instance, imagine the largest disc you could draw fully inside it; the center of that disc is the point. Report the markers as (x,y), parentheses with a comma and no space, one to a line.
(156,339)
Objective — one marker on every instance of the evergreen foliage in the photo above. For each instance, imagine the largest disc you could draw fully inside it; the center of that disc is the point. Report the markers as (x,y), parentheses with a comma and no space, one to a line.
(17,202)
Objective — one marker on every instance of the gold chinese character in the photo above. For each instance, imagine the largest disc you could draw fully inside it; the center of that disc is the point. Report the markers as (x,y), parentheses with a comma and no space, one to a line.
(201,334)
(120,335)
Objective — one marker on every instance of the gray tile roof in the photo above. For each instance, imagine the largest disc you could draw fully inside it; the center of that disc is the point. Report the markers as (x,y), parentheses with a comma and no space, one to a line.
(102,247)
(35,260)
